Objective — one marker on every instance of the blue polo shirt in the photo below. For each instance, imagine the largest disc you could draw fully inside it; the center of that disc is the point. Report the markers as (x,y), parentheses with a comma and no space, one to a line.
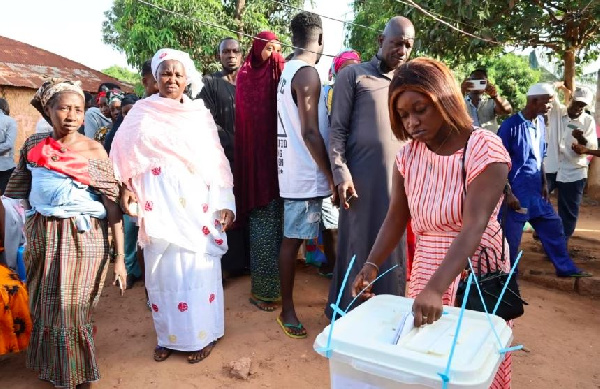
(525,142)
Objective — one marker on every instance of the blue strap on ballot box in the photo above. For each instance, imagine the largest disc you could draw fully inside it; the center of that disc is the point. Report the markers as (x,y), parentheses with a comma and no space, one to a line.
(445,376)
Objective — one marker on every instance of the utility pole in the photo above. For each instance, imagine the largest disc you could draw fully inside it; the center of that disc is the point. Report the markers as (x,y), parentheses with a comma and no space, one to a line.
(594,171)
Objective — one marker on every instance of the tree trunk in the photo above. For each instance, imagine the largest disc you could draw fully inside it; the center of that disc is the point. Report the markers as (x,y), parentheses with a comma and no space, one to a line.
(239,12)
(594,171)
(569,59)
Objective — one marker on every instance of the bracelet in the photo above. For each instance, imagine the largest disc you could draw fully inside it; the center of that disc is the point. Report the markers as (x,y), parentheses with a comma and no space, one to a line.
(372,264)
(118,255)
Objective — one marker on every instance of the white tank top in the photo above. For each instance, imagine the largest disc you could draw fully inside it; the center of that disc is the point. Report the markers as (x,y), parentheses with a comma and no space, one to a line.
(299,176)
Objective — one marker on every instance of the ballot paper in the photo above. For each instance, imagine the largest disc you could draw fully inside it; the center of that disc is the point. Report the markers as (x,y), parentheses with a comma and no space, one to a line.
(405,325)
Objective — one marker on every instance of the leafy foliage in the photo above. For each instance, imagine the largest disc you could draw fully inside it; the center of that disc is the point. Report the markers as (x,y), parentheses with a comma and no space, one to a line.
(139,30)
(126,75)
(570,28)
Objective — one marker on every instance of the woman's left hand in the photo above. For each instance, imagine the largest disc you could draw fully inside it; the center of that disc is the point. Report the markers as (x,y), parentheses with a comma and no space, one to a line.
(226,218)
(427,307)
(121,273)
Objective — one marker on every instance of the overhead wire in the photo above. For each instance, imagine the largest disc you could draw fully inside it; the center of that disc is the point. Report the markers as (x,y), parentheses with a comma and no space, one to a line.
(345,22)
(586,7)
(424,11)
(204,22)
(410,3)
(439,16)
(407,2)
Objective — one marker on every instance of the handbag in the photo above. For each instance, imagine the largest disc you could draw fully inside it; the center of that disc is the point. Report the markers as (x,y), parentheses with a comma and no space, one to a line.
(491,283)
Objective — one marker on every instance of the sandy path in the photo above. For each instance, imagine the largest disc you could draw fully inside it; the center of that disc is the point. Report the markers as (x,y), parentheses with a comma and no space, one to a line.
(562,331)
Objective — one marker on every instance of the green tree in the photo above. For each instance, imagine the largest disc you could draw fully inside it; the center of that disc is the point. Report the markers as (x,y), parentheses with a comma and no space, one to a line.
(127,76)
(139,30)
(512,75)
(569,28)
(122,74)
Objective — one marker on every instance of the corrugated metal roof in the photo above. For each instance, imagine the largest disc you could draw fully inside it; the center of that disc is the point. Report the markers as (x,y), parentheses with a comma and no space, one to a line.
(27,66)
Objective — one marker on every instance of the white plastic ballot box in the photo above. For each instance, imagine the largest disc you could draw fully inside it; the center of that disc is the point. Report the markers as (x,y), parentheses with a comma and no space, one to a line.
(363,354)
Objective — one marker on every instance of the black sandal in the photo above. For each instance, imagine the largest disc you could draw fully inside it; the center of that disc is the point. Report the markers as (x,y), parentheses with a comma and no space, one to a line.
(161,353)
(202,354)
(263,305)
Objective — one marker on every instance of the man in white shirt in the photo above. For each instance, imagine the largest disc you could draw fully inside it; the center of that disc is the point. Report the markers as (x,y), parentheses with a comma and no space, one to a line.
(483,110)
(305,177)
(566,171)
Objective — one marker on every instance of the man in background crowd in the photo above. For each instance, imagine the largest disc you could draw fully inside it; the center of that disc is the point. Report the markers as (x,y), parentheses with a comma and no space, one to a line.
(8,135)
(304,169)
(362,150)
(567,171)
(98,117)
(218,95)
(484,110)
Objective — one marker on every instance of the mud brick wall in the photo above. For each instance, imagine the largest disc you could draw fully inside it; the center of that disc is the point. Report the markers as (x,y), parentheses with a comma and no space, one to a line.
(22,111)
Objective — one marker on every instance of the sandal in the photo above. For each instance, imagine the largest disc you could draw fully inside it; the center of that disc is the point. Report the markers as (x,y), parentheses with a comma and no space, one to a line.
(326,275)
(288,329)
(161,353)
(200,355)
(581,274)
(263,305)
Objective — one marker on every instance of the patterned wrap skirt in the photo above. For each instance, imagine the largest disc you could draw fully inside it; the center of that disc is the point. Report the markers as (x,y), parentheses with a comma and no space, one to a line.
(65,273)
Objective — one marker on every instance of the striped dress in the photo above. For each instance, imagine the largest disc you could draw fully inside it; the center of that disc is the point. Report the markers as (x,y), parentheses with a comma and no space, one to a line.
(65,275)
(434,188)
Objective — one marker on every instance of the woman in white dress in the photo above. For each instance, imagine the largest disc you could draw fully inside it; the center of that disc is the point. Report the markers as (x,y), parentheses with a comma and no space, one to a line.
(168,156)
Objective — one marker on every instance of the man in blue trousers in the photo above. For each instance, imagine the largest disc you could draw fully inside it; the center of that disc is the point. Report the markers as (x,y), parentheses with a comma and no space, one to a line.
(523,136)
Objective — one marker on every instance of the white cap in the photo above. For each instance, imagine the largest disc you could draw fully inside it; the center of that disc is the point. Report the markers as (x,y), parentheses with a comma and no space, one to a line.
(584,95)
(541,88)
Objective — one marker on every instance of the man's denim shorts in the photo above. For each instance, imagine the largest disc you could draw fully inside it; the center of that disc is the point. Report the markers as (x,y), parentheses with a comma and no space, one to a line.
(301,218)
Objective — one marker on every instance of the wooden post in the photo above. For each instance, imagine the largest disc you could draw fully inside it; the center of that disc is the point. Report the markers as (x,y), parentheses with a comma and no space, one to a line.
(239,12)
(569,61)
(594,171)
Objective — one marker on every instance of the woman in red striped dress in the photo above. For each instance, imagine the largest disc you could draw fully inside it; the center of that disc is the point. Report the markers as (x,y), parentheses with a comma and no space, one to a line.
(426,106)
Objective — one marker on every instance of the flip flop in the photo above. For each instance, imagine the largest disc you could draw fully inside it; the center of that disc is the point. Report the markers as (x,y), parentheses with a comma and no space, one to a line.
(578,274)
(164,356)
(581,274)
(258,304)
(286,329)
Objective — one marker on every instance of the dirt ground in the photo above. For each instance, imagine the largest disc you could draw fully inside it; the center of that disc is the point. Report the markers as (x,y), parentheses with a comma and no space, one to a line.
(583,246)
(561,331)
